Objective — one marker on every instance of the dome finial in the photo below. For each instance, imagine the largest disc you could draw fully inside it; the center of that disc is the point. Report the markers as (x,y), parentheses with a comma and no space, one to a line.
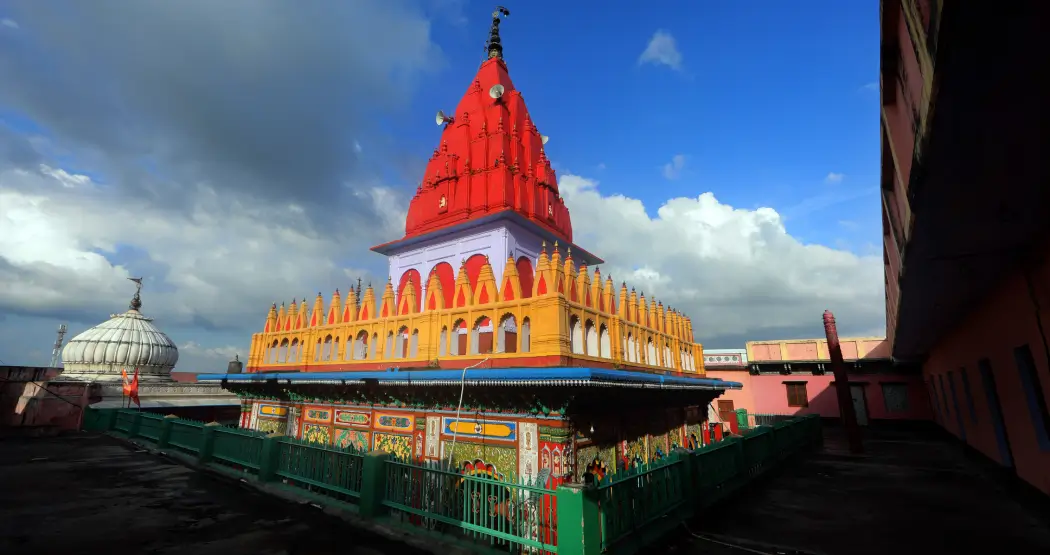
(493,46)
(136,301)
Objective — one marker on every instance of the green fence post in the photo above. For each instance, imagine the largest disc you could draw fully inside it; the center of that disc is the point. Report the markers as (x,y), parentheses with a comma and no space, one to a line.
(165,430)
(741,419)
(207,442)
(579,522)
(373,484)
(271,450)
(135,424)
(689,472)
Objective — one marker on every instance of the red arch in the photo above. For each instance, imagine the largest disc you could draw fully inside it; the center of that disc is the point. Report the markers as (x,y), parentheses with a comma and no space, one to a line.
(474,264)
(409,277)
(447,276)
(525,276)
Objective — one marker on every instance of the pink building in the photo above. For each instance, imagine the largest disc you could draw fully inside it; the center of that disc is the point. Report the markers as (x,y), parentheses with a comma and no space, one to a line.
(794,377)
(964,205)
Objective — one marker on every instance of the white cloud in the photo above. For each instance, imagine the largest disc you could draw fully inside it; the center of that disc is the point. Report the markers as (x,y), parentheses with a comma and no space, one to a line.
(737,273)
(217,267)
(9,23)
(673,169)
(833,177)
(873,86)
(662,50)
(68,180)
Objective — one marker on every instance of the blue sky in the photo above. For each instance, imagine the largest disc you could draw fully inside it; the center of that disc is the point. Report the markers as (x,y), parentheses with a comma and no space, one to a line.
(771,97)
(222,162)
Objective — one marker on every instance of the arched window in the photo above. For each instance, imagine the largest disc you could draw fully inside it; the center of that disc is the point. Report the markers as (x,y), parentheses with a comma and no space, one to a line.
(481,336)
(317,351)
(271,354)
(576,335)
(373,346)
(361,346)
(443,342)
(388,347)
(592,338)
(282,354)
(413,345)
(652,358)
(458,342)
(327,353)
(401,343)
(632,348)
(507,335)
(295,350)
(605,347)
(526,340)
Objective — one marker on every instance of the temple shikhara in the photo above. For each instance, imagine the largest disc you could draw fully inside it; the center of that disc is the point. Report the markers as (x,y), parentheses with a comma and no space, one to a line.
(496,345)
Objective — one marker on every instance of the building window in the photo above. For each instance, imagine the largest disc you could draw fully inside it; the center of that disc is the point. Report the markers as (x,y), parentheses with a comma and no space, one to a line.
(1033,390)
(895,397)
(797,396)
(969,394)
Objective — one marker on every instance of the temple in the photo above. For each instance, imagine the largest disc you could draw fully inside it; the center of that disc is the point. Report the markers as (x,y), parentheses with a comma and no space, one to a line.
(496,343)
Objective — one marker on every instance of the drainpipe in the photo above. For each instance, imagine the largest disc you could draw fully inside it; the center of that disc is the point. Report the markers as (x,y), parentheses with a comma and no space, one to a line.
(838,368)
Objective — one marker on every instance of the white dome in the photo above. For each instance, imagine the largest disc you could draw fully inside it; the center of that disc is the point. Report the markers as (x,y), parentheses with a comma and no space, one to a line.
(124,342)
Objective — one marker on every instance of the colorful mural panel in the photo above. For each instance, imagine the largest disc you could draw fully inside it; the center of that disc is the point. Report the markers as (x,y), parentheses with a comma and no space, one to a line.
(657,447)
(418,442)
(272,425)
(395,422)
(503,460)
(316,433)
(433,441)
(487,429)
(529,451)
(273,410)
(603,459)
(632,453)
(400,446)
(352,438)
(353,418)
(318,415)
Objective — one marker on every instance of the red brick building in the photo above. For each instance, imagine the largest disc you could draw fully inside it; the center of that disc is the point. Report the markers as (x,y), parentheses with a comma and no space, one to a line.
(965,191)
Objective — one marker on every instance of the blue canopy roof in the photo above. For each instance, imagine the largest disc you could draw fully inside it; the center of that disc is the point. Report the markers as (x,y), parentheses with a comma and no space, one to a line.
(556,376)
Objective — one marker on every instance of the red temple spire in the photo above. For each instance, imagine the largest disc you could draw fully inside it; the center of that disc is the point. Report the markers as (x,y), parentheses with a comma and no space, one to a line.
(490,158)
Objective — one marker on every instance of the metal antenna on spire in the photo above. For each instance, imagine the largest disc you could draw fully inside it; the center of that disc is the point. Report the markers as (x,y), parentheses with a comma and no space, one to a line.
(493,46)
(57,351)
(136,301)
(358,291)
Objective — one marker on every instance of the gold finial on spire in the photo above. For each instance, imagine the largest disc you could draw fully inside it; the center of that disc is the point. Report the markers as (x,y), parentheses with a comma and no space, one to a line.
(543,246)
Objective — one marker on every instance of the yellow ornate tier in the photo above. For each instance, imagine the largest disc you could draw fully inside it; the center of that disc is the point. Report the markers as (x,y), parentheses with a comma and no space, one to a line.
(569,317)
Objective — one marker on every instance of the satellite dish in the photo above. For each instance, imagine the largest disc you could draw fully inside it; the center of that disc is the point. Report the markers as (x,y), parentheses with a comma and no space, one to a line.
(441,118)
(544,139)
(496,91)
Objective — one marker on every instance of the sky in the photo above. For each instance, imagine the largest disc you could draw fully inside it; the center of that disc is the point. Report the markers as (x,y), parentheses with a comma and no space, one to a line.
(721,156)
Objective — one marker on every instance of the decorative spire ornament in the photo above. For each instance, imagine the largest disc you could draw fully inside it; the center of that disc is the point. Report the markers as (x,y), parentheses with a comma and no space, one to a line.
(493,46)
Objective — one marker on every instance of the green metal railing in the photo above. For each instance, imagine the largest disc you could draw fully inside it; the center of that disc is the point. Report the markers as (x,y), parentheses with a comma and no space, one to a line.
(622,513)
(502,514)
(329,470)
(634,499)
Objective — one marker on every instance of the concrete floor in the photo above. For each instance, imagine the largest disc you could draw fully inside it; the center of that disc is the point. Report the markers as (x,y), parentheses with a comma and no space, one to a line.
(91,494)
(911,493)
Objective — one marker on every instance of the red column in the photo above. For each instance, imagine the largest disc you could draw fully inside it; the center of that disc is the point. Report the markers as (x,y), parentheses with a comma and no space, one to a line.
(838,368)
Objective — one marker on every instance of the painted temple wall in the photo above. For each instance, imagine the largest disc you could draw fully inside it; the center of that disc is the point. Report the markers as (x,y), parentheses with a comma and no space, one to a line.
(512,447)
(497,240)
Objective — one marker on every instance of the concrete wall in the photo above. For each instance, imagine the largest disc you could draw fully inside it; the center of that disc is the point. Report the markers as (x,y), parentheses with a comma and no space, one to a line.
(28,400)
(767,394)
(1006,320)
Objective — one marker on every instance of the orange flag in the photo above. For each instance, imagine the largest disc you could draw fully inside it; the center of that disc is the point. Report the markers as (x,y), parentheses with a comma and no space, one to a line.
(133,388)
(127,384)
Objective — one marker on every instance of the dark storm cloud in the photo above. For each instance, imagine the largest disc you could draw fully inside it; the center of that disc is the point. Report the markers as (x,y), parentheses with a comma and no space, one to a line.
(248,96)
